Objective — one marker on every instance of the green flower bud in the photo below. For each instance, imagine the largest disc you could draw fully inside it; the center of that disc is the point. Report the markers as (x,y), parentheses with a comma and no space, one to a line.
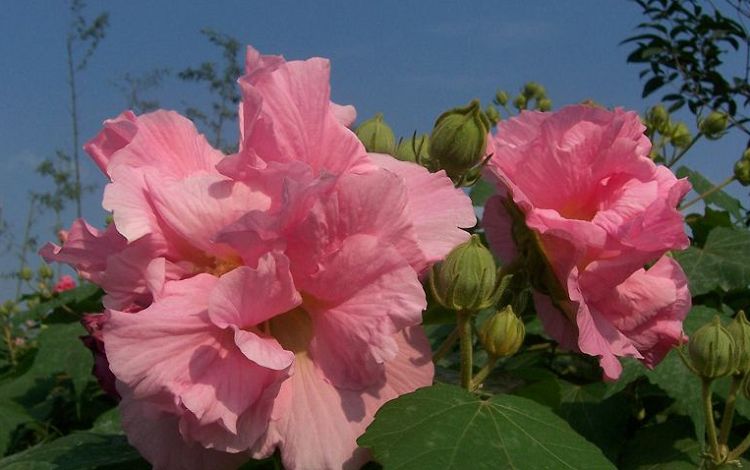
(467,278)
(376,135)
(520,102)
(533,90)
(501,98)
(502,334)
(545,104)
(739,328)
(459,139)
(681,136)
(658,118)
(9,307)
(492,114)
(742,171)
(45,272)
(712,351)
(26,273)
(714,124)
(408,149)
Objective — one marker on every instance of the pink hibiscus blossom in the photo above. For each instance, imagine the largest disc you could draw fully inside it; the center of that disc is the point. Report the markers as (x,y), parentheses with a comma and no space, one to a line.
(65,282)
(599,210)
(269,299)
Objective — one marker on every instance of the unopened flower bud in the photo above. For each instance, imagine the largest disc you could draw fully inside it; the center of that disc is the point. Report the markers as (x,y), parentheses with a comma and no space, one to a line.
(492,114)
(533,90)
(409,149)
(681,136)
(520,102)
(467,278)
(739,328)
(714,124)
(658,118)
(459,139)
(742,171)
(544,104)
(376,135)
(8,307)
(712,350)
(26,273)
(501,98)
(502,334)
(45,272)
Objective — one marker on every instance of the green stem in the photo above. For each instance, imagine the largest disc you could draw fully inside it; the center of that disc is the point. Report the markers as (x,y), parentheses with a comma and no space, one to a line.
(684,151)
(467,348)
(718,187)
(728,415)
(8,338)
(708,411)
(446,346)
(484,372)
(737,452)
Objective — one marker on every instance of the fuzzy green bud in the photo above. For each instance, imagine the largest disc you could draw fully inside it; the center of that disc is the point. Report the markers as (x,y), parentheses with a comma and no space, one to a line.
(681,136)
(739,328)
(459,139)
(742,171)
(376,135)
(502,334)
(409,149)
(492,114)
(714,124)
(26,273)
(467,278)
(520,102)
(45,272)
(658,118)
(501,98)
(533,90)
(712,351)
(544,104)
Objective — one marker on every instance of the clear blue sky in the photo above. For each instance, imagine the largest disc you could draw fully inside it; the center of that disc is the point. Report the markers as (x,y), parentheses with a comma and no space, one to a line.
(410,60)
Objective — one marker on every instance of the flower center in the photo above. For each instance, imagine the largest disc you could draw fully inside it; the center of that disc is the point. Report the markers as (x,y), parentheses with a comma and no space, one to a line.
(221,266)
(293,330)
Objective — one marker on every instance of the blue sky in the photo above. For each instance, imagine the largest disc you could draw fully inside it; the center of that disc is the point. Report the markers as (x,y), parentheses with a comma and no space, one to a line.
(410,60)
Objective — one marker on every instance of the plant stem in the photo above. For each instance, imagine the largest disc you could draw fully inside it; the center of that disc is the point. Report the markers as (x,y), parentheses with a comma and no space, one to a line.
(25,244)
(737,452)
(446,345)
(708,411)
(484,372)
(684,151)
(8,338)
(74,118)
(718,187)
(467,348)
(728,415)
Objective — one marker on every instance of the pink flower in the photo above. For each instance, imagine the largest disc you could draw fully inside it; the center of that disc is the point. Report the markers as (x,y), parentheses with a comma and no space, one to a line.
(64,283)
(599,210)
(269,299)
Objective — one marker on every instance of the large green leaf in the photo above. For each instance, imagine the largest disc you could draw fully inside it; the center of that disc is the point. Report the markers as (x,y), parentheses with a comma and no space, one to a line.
(74,302)
(60,351)
(665,446)
(448,428)
(723,262)
(719,199)
(11,416)
(480,192)
(78,451)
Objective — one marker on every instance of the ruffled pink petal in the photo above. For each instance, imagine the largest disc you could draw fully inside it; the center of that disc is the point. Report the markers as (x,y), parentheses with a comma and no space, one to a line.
(344,114)
(154,431)
(287,114)
(246,297)
(436,209)
(117,133)
(316,425)
(173,347)
(354,321)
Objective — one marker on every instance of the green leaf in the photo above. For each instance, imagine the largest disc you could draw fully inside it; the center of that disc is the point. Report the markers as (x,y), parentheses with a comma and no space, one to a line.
(60,351)
(84,298)
(480,192)
(12,415)
(665,446)
(632,370)
(447,427)
(719,199)
(602,422)
(723,262)
(108,422)
(78,451)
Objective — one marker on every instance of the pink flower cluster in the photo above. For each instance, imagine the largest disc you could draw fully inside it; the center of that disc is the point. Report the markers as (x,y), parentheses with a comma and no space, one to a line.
(603,215)
(265,300)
